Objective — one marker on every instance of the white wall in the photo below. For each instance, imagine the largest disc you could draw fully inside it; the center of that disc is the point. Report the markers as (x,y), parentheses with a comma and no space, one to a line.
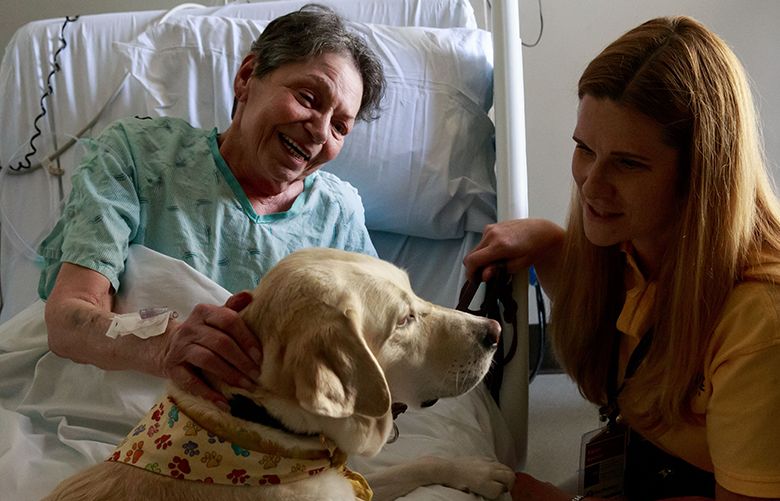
(575,31)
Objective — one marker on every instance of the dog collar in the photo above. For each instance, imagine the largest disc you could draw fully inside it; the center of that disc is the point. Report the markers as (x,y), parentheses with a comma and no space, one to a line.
(244,408)
(170,443)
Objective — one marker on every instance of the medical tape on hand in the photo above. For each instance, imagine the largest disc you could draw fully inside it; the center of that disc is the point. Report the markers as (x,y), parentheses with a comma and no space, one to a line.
(146,323)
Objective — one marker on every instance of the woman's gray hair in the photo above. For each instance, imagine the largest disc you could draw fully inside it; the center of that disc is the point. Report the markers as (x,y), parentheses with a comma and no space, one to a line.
(310,32)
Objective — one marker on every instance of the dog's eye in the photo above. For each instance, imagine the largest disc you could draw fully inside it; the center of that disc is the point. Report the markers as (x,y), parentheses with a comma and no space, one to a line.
(405,320)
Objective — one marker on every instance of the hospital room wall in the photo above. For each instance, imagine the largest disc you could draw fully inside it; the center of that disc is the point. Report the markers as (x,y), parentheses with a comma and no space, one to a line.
(575,31)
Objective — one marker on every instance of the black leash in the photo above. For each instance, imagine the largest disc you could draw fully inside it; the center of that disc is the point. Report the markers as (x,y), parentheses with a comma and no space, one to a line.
(499,305)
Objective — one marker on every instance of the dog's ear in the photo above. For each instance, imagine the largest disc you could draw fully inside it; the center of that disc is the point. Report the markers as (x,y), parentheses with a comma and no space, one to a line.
(337,375)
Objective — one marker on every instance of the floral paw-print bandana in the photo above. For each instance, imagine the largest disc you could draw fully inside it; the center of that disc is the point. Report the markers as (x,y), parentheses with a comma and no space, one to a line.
(167,442)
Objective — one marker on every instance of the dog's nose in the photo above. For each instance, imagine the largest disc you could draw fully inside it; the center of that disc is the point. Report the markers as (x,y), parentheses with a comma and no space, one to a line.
(492,333)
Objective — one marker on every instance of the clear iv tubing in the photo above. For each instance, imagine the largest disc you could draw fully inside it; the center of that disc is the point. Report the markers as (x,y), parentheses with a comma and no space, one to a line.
(9,229)
(55,207)
(55,201)
(55,196)
(49,159)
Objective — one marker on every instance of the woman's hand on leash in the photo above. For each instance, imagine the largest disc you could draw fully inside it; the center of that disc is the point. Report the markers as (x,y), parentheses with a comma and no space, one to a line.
(213,340)
(515,245)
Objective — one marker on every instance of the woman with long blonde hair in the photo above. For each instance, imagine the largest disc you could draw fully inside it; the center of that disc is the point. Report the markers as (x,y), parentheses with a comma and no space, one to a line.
(665,284)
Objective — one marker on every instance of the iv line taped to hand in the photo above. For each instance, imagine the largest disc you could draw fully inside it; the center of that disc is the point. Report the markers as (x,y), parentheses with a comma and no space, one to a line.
(145,323)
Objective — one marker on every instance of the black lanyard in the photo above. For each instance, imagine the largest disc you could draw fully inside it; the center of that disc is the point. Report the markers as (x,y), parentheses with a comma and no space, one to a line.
(611,411)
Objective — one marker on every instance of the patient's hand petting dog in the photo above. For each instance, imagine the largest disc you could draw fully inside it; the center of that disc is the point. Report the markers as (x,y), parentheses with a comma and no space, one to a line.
(344,337)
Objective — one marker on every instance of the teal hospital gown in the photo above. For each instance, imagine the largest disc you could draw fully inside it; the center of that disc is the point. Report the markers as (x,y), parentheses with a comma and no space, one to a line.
(163,184)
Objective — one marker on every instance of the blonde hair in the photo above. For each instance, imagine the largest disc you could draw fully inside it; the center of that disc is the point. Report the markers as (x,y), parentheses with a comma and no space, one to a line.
(677,72)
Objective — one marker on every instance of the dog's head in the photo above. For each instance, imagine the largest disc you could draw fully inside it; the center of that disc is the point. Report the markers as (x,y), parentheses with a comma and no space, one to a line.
(344,335)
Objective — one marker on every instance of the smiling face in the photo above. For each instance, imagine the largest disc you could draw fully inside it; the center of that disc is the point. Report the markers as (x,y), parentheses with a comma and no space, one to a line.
(290,121)
(627,178)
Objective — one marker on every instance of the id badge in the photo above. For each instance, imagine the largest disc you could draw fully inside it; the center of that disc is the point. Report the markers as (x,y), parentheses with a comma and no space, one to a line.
(603,461)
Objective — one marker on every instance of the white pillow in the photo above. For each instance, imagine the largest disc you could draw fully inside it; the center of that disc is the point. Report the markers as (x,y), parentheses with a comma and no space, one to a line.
(435,13)
(425,168)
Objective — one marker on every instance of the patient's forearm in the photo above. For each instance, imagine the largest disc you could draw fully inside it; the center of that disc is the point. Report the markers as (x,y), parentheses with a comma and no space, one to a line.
(78,314)
(77,330)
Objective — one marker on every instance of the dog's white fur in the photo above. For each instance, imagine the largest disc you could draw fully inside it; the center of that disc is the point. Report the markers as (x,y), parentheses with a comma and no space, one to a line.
(343,336)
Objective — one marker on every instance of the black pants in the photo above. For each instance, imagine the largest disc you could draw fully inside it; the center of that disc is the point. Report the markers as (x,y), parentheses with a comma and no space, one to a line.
(652,473)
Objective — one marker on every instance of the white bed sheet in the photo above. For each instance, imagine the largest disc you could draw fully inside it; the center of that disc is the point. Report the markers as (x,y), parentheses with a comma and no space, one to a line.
(57,417)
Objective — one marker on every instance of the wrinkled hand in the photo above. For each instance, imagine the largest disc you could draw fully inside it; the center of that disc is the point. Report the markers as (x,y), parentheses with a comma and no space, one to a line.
(214,340)
(482,476)
(527,488)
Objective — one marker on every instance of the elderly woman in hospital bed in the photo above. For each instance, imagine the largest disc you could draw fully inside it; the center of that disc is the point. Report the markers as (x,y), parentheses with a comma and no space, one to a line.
(229,204)
(428,191)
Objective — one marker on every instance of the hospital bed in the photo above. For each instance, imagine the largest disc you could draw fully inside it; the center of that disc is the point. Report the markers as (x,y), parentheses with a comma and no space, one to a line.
(446,157)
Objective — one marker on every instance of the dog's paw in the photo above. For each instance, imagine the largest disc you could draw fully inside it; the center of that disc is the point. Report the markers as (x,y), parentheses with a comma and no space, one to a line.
(482,476)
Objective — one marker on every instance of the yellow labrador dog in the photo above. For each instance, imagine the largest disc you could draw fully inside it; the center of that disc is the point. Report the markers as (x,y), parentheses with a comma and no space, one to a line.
(344,337)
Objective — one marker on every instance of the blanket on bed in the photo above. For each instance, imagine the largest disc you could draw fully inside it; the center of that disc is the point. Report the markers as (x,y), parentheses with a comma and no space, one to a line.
(58,417)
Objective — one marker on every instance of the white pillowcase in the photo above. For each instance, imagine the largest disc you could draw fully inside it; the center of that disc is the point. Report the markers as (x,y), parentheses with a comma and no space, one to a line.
(424,168)
(437,13)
